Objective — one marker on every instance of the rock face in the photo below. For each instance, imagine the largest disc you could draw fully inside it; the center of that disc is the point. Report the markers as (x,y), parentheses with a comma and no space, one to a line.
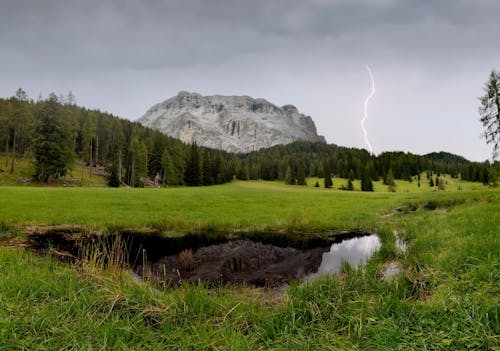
(231,123)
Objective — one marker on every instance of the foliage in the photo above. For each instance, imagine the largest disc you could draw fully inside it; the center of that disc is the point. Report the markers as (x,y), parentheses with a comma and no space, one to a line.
(489,111)
(52,147)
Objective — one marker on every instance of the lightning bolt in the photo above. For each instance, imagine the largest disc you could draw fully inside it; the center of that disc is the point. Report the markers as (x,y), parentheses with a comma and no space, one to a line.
(368,98)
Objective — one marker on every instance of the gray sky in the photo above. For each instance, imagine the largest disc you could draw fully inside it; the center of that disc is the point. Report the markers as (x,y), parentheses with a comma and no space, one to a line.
(430,60)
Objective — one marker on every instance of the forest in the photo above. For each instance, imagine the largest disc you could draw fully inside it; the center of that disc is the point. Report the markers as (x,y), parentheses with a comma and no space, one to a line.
(55,132)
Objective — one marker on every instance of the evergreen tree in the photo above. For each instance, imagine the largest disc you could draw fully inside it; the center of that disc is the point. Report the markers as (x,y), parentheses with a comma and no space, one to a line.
(194,167)
(167,168)
(489,111)
(389,180)
(301,174)
(327,174)
(289,176)
(52,147)
(350,185)
(316,185)
(366,182)
(208,178)
(431,182)
(137,161)
(113,178)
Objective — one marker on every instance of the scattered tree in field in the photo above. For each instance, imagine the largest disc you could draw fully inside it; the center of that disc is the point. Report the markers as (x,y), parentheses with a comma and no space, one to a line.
(489,111)
(316,185)
(389,180)
(52,147)
(431,182)
(350,185)
(366,182)
(328,175)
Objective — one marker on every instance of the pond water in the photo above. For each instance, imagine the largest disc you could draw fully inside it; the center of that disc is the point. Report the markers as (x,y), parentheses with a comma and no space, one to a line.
(353,251)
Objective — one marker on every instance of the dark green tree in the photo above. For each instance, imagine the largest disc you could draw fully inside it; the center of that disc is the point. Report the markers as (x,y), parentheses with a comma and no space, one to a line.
(290,176)
(52,147)
(489,111)
(327,174)
(366,181)
(350,185)
(301,174)
(194,167)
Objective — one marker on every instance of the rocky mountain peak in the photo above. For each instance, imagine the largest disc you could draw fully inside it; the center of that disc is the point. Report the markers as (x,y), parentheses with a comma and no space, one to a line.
(231,123)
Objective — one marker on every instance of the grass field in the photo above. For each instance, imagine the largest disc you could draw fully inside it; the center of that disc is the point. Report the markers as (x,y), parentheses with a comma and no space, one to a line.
(447,297)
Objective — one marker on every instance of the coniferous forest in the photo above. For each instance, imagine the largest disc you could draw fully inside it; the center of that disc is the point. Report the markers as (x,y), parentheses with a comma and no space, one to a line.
(56,134)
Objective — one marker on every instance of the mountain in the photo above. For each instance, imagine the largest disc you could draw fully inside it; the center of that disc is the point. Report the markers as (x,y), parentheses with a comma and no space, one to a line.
(231,123)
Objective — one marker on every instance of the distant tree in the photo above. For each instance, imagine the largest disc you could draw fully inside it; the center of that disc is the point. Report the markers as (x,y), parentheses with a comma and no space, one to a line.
(431,182)
(316,185)
(350,185)
(301,174)
(194,167)
(489,111)
(389,180)
(21,116)
(52,147)
(366,182)
(327,174)
(138,161)
(114,178)
(167,168)
(289,176)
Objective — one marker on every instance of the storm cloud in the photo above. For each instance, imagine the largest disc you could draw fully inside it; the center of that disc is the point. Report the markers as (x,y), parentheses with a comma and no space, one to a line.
(430,60)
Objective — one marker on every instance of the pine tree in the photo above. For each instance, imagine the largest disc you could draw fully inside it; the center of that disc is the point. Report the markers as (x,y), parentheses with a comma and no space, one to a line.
(289,176)
(194,167)
(52,148)
(167,168)
(327,174)
(350,185)
(366,182)
(389,180)
(489,111)
(301,174)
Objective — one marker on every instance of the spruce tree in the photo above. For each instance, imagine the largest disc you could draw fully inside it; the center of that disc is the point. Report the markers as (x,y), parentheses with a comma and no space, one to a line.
(301,174)
(489,111)
(53,145)
(350,185)
(366,182)
(289,176)
(194,167)
(327,174)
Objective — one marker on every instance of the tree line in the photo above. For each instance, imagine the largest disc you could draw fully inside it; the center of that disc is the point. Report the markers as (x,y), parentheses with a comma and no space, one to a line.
(55,133)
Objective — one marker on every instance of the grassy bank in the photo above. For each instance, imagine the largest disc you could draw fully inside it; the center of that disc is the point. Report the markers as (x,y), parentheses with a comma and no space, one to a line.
(447,296)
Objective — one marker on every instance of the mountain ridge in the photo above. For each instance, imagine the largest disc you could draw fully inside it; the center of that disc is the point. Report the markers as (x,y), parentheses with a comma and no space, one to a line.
(231,123)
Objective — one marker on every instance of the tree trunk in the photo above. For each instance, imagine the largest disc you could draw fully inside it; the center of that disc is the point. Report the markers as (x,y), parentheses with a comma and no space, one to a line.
(120,168)
(132,173)
(91,162)
(7,150)
(96,148)
(13,152)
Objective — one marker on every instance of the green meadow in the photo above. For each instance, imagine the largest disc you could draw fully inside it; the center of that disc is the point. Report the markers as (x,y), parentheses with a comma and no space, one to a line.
(447,296)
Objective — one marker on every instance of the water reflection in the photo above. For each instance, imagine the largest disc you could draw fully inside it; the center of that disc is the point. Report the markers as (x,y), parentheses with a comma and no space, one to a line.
(354,251)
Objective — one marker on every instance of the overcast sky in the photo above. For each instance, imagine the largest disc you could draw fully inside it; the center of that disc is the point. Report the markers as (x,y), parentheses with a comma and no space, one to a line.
(430,60)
